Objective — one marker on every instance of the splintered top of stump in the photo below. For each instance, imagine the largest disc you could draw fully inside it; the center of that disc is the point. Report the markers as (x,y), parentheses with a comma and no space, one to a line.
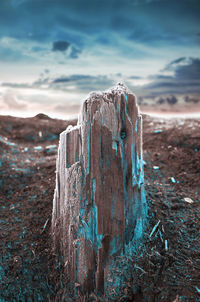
(116,90)
(112,95)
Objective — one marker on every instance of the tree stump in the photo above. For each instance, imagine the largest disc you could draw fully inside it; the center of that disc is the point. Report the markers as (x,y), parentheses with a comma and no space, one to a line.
(99,206)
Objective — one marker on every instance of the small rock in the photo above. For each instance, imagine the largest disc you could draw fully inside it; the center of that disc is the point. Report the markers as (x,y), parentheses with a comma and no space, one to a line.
(158,131)
(177,299)
(38,148)
(173,180)
(188,200)
(17,262)
(51,149)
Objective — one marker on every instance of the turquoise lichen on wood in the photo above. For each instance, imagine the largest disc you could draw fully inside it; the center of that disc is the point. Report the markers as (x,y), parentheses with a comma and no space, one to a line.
(99,207)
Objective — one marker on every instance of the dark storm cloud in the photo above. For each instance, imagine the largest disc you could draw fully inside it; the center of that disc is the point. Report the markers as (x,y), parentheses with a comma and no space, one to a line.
(173,65)
(185,68)
(190,71)
(186,78)
(60,45)
(145,21)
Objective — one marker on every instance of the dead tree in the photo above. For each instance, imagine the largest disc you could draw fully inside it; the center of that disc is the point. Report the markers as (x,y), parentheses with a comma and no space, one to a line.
(99,206)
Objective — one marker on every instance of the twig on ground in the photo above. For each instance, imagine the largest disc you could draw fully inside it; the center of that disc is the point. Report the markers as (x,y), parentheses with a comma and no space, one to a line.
(154,228)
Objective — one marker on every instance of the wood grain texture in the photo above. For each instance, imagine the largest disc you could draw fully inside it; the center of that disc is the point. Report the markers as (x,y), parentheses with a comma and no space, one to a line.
(99,206)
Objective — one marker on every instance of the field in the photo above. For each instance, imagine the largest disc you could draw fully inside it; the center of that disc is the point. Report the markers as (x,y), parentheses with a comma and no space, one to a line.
(166,267)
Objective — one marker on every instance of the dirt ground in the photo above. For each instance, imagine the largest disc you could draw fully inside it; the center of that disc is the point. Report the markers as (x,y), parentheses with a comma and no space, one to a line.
(165,268)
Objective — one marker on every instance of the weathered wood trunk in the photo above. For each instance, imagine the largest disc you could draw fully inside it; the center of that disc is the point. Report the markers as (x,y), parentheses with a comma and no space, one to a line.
(99,206)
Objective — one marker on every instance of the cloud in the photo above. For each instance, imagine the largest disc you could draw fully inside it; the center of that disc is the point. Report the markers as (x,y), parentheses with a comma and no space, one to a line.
(39,83)
(190,71)
(28,102)
(73,78)
(38,49)
(16,51)
(74,82)
(104,36)
(67,108)
(178,82)
(189,99)
(12,102)
(8,54)
(82,83)
(173,65)
(172,100)
(175,62)
(185,78)
(74,52)
(135,78)
(60,46)
(48,20)
(70,51)
(16,85)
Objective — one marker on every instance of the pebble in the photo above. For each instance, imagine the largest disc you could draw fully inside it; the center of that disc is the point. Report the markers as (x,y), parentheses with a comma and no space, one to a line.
(188,200)
(173,180)
(38,148)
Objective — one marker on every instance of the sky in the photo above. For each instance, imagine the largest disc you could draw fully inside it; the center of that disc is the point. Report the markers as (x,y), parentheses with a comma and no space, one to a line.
(54,52)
